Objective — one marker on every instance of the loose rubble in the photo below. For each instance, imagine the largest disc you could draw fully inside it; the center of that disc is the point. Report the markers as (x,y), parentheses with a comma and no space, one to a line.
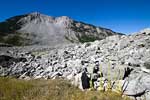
(119,63)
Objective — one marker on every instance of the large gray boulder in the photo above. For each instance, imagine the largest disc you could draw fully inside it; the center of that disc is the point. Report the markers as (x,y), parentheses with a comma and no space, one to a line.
(134,88)
(138,85)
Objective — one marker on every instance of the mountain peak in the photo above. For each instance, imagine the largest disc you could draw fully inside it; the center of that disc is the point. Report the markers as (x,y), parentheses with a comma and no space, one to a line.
(64,17)
(37,14)
(43,29)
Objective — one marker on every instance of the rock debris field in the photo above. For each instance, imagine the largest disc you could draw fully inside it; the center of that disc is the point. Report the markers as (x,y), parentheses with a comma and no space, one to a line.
(120,63)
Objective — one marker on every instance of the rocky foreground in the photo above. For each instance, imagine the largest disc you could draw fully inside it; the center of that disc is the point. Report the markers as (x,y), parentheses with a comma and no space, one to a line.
(123,61)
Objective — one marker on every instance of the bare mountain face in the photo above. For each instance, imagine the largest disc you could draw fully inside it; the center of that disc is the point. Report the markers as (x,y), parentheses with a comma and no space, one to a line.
(36,28)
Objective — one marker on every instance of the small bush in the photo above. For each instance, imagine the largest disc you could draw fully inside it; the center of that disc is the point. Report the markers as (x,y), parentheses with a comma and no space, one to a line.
(14,40)
(86,38)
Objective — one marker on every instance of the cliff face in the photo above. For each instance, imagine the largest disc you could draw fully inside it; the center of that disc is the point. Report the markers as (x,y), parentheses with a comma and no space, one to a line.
(36,28)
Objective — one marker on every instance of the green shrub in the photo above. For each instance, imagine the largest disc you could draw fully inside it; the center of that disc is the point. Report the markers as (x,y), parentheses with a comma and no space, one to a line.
(86,38)
(16,40)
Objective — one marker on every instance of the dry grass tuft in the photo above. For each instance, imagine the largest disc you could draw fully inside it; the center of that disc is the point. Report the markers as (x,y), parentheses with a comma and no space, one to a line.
(15,89)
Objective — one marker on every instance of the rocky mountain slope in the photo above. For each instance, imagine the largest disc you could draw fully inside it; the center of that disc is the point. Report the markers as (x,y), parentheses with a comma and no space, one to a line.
(36,28)
(124,60)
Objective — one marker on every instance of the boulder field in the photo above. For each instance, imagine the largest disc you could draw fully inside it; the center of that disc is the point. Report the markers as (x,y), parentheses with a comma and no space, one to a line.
(120,63)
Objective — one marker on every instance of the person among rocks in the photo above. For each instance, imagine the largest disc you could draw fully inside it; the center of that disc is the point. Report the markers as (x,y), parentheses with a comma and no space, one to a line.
(85,78)
(94,79)
(96,67)
(107,85)
(95,74)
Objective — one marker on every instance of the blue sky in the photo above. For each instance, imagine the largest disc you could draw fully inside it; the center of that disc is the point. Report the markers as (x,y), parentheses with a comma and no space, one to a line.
(124,16)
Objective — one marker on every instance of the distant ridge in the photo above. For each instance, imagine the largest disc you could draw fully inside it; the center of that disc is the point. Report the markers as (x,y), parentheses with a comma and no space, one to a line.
(37,28)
